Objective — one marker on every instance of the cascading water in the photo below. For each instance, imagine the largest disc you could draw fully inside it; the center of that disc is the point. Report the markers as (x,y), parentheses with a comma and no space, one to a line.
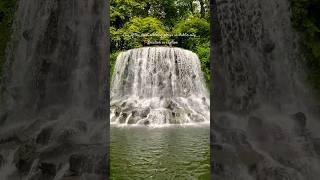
(158,85)
(53,94)
(263,127)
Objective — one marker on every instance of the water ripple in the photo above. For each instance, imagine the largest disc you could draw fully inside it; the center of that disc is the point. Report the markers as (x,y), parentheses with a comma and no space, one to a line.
(160,153)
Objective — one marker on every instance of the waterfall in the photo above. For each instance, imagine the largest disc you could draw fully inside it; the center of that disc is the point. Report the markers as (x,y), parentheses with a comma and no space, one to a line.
(264,125)
(158,85)
(53,95)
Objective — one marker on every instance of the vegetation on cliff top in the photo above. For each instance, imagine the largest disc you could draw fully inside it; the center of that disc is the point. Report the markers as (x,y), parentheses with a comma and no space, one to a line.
(305,16)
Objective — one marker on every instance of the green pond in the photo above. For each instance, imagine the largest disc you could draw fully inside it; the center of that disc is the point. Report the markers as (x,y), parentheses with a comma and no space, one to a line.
(165,153)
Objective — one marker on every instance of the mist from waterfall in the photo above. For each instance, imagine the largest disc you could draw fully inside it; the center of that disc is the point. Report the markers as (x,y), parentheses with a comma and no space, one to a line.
(157,86)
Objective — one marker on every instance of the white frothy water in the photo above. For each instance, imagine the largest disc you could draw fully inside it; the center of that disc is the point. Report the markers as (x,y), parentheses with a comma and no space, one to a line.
(158,85)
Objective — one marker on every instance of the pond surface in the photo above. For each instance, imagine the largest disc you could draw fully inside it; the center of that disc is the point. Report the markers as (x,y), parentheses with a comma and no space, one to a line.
(172,152)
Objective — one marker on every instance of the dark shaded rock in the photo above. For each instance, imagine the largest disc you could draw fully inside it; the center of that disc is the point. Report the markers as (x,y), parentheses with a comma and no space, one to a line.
(117,111)
(123,118)
(43,171)
(252,168)
(171,105)
(144,113)
(27,35)
(48,169)
(44,136)
(11,138)
(146,123)
(135,113)
(128,108)
(269,47)
(24,157)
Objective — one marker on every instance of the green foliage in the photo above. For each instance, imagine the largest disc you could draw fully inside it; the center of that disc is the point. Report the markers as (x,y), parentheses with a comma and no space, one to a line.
(123,10)
(305,15)
(199,44)
(130,35)
(204,56)
(131,20)
(192,25)
(7,9)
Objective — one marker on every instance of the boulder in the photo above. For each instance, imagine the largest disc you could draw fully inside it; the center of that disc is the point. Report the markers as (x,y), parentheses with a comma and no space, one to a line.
(133,120)
(146,123)
(123,118)
(48,169)
(144,113)
(117,111)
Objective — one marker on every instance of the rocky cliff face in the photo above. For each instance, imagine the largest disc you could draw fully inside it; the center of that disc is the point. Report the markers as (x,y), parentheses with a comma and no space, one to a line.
(53,117)
(263,123)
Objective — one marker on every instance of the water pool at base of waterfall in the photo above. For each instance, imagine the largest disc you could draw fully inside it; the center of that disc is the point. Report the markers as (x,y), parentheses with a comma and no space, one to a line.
(173,152)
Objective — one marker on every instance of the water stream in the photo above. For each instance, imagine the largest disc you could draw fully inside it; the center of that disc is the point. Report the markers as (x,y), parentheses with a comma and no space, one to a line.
(157,86)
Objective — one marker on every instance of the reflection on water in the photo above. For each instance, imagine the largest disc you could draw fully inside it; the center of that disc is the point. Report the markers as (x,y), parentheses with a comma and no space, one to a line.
(160,153)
